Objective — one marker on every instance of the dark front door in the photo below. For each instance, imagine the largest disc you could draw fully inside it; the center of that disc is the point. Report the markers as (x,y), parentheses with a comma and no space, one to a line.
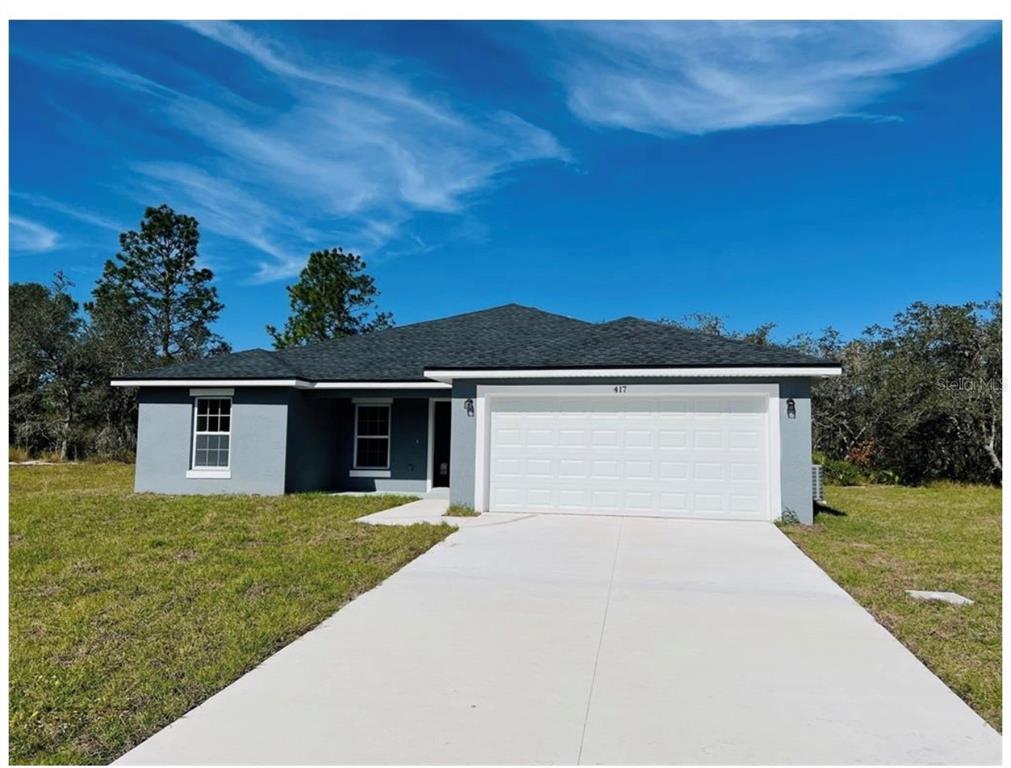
(440,445)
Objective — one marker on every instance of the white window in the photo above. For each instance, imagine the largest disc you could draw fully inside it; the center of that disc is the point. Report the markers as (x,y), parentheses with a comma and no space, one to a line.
(372,436)
(212,432)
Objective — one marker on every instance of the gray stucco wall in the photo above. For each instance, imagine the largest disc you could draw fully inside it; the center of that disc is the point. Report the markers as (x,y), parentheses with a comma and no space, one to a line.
(795,435)
(462,446)
(258,444)
(795,450)
(283,440)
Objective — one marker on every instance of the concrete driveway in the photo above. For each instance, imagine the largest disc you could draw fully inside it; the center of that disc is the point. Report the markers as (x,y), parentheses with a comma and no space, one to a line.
(570,639)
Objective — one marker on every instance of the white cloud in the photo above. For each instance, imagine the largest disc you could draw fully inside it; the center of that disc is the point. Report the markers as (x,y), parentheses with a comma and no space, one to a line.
(352,153)
(30,236)
(80,214)
(669,78)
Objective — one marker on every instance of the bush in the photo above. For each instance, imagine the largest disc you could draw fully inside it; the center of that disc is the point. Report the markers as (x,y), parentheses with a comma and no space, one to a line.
(843,472)
(17,453)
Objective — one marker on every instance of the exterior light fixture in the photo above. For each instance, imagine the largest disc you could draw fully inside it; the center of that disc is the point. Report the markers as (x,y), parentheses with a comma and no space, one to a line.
(791,408)
(468,406)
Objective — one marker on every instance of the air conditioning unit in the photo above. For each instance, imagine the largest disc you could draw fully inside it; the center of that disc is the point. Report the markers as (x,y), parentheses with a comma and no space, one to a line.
(817,482)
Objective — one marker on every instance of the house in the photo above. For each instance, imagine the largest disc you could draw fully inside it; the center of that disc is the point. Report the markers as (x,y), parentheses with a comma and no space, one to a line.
(507,409)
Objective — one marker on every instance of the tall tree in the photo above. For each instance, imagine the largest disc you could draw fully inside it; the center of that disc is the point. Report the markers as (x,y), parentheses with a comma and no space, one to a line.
(49,366)
(334,297)
(155,285)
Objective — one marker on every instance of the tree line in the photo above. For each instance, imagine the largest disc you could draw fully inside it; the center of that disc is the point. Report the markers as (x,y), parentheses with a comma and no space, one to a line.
(153,305)
(919,399)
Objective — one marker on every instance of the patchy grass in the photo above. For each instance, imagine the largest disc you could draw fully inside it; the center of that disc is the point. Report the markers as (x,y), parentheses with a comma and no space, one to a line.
(460,510)
(126,610)
(944,537)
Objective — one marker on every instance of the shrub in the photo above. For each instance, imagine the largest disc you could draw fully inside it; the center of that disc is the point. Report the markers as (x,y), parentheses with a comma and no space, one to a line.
(844,472)
(460,510)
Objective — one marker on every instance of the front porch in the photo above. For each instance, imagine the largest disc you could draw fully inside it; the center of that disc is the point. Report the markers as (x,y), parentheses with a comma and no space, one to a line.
(370,442)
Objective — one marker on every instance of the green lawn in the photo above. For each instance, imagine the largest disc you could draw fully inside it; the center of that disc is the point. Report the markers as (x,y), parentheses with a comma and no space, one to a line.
(945,537)
(127,610)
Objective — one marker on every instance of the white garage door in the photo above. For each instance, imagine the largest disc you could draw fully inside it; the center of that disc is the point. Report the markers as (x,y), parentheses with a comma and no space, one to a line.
(673,457)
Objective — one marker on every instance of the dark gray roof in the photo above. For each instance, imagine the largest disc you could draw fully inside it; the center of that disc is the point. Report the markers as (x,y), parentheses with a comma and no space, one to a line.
(511,336)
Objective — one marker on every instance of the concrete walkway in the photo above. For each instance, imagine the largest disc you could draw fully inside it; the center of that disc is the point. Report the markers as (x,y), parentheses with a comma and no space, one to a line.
(571,639)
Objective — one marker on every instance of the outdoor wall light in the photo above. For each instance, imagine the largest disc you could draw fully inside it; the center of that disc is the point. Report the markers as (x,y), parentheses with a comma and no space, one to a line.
(791,408)
(468,406)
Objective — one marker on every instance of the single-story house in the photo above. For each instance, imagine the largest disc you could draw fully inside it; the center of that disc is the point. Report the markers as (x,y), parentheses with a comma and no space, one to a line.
(507,409)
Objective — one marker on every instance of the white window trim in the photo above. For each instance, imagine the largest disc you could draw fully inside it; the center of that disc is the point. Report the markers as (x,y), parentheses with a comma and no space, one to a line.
(209,474)
(369,473)
(196,471)
(388,437)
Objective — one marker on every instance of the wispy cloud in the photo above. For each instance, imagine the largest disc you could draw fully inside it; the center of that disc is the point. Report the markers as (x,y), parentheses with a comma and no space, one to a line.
(28,236)
(352,152)
(669,78)
(79,214)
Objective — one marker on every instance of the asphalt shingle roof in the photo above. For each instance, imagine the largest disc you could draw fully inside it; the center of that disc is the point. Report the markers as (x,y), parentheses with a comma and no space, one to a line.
(510,336)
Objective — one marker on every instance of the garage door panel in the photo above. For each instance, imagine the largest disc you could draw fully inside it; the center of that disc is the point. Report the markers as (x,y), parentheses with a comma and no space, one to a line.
(672,438)
(508,467)
(569,469)
(741,472)
(639,470)
(604,469)
(642,501)
(639,438)
(604,438)
(571,437)
(693,457)
(708,470)
(540,468)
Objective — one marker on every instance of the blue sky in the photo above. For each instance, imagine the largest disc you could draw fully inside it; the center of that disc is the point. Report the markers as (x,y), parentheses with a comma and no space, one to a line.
(805,174)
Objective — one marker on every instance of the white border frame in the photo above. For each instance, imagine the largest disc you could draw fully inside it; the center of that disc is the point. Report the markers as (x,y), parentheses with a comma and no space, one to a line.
(208,473)
(357,471)
(487,393)
(430,466)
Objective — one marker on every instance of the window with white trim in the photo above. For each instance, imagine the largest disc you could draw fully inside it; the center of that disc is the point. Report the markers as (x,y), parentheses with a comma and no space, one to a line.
(372,436)
(212,432)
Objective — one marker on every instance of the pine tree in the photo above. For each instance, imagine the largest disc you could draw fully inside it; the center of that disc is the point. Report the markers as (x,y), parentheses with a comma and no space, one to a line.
(333,297)
(156,290)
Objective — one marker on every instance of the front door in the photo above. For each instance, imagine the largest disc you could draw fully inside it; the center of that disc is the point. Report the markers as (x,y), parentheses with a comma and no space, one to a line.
(440,445)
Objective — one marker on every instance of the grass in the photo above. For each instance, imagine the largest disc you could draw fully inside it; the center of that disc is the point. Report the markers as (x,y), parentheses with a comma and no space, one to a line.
(944,537)
(126,610)
(17,453)
(460,510)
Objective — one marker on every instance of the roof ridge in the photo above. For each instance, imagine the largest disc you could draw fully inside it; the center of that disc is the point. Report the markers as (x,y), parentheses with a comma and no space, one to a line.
(274,356)
(421,323)
(483,311)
